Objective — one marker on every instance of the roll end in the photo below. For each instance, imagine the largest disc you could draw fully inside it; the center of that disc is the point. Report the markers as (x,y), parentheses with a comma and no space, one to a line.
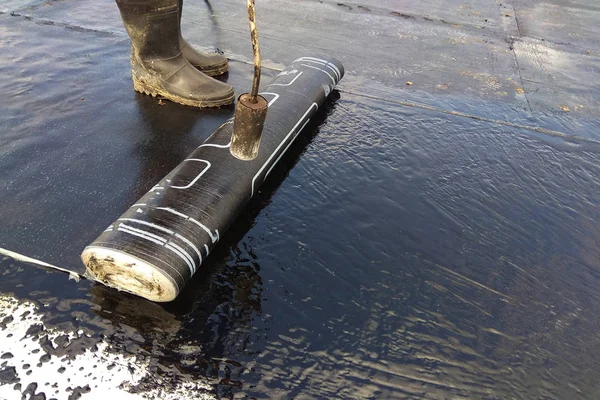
(130,274)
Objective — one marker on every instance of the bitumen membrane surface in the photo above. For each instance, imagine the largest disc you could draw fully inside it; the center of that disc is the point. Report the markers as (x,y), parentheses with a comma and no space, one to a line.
(432,234)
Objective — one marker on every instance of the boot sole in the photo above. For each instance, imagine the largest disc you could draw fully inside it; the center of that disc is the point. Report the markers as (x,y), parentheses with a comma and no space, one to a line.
(152,91)
(212,71)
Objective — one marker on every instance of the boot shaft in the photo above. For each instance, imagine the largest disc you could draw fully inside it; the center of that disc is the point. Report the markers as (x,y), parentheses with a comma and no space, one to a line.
(158,65)
(153,27)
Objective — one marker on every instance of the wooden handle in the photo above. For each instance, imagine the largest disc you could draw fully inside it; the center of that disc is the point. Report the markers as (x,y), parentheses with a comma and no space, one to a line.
(255,49)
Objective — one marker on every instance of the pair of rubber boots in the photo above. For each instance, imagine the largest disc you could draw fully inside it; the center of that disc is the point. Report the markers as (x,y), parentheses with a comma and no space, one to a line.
(163,63)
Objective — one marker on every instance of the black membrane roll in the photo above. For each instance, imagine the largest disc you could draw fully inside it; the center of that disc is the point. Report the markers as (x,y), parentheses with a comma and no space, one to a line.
(155,247)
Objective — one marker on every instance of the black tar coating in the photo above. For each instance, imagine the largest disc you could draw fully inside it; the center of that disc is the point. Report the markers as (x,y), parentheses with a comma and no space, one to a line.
(177,222)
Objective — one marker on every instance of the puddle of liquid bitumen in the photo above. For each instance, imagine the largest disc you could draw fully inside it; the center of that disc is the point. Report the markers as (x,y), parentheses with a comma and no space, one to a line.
(407,253)
(395,252)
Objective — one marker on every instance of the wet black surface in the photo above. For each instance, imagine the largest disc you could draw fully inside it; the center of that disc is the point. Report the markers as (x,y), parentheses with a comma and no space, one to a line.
(409,252)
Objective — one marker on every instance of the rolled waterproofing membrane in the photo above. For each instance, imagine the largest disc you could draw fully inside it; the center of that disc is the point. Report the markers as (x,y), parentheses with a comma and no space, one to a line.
(155,247)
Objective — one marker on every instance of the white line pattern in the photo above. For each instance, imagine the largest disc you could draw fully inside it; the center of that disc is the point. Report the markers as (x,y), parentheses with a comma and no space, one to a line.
(287,84)
(220,146)
(160,241)
(214,237)
(273,100)
(286,148)
(170,232)
(281,144)
(326,63)
(189,185)
(322,70)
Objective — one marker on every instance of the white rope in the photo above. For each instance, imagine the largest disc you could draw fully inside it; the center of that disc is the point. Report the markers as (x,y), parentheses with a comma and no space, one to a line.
(20,257)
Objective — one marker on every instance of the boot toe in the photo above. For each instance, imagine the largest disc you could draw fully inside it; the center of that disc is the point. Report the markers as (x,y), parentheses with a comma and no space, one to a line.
(209,63)
(214,93)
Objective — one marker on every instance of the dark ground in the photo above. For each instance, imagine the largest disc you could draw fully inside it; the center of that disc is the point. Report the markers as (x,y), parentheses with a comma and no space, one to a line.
(433,240)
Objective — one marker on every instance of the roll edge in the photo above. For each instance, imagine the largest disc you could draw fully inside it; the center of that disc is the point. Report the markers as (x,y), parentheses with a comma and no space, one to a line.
(128,273)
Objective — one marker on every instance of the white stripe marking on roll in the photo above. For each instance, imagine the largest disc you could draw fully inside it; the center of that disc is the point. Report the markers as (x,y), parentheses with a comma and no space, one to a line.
(122,229)
(273,100)
(221,146)
(328,64)
(214,237)
(189,243)
(157,227)
(170,232)
(189,185)
(148,236)
(173,212)
(152,235)
(286,84)
(284,150)
(281,144)
(322,70)
(187,257)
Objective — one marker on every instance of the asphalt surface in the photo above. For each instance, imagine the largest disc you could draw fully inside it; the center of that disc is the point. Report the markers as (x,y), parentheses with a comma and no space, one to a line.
(433,235)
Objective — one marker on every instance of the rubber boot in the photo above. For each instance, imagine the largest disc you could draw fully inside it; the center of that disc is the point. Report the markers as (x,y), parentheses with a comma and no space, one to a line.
(158,65)
(210,63)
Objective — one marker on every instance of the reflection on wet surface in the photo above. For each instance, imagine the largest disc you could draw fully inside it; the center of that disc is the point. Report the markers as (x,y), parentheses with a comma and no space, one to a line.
(408,253)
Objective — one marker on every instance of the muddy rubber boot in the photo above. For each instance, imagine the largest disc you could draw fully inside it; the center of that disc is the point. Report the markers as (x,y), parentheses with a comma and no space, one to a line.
(158,65)
(211,64)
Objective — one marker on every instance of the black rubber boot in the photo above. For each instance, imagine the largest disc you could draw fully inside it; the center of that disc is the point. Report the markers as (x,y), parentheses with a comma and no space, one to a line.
(210,63)
(158,65)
